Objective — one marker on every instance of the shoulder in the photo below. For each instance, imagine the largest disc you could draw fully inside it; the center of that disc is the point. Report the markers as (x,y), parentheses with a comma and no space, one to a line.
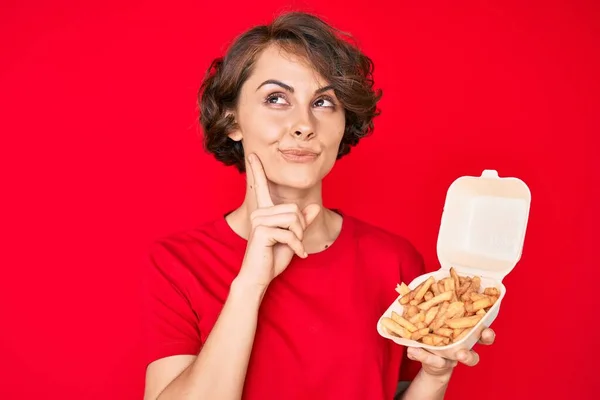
(381,243)
(206,233)
(179,251)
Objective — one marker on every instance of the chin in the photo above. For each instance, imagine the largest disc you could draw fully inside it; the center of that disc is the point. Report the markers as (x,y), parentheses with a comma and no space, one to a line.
(298,175)
(296,179)
(298,182)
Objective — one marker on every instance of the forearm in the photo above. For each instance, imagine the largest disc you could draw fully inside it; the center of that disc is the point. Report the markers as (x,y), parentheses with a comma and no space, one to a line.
(219,370)
(427,387)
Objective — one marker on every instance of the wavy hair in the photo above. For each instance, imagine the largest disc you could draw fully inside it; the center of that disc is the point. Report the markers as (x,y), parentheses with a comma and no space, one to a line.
(329,51)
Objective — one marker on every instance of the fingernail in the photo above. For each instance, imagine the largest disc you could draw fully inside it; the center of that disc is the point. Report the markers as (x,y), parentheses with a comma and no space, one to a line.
(305,254)
(250,158)
(462,357)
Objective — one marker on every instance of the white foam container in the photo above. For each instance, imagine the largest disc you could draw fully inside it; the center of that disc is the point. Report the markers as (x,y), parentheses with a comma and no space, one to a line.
(482,232)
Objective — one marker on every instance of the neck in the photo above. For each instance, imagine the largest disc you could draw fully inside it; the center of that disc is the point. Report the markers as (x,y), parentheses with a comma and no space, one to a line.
(284,195)
(318,236)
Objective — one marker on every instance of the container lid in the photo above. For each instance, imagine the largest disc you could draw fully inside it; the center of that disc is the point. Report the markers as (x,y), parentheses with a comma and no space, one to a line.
(483,225)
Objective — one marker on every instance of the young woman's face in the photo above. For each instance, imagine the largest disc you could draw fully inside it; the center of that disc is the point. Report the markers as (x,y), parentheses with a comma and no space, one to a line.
(289,116)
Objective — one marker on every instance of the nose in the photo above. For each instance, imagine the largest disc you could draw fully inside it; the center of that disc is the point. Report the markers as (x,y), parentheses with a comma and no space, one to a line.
(303,128)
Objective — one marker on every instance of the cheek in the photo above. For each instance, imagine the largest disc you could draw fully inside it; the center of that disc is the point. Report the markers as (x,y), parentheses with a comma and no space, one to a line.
(333,131)
(259,127)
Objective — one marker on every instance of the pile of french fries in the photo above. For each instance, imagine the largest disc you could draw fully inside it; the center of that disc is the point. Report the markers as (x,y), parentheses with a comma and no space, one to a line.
(442,312)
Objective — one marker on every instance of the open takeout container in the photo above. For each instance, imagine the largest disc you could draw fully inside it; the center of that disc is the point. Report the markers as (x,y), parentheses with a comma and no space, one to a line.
(482,232)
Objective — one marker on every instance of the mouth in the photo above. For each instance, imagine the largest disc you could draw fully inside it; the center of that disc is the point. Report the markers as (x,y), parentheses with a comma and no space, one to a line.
(299,155)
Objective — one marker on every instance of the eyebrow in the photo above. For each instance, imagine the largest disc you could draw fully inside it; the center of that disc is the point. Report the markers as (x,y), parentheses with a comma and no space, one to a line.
(289,88)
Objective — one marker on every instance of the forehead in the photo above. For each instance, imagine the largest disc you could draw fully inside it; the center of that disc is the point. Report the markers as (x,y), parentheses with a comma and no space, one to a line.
(277,63)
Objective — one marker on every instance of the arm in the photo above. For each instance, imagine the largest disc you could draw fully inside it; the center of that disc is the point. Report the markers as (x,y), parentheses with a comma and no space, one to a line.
(219,370)
(427,387)
(432,380)
(423,376)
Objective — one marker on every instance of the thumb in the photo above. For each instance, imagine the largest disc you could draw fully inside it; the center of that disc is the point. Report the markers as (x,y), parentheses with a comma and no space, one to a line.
(310,213)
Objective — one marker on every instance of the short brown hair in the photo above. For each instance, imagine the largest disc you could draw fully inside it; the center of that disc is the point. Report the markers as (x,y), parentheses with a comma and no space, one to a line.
(331,53)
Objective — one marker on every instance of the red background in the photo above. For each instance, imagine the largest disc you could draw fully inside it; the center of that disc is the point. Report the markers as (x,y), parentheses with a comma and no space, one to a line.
(100,155)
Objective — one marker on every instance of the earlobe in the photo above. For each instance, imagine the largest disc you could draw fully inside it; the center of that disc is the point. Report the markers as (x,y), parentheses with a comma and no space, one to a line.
(235,135)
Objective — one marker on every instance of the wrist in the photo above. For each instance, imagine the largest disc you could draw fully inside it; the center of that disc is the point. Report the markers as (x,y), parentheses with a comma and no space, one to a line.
(246,290)
(437,377)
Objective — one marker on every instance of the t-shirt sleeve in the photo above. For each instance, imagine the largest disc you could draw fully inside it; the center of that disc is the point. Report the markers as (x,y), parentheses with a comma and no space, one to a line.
(412,267)
(169,321)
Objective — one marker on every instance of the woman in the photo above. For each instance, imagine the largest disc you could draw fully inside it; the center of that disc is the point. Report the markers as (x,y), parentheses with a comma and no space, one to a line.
(279,299)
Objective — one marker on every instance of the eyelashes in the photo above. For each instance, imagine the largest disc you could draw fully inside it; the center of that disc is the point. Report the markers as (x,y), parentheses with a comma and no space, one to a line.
(281,99)
(274,98)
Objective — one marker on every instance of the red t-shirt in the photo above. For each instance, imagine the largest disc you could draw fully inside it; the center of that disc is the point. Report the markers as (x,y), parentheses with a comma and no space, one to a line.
(316,336)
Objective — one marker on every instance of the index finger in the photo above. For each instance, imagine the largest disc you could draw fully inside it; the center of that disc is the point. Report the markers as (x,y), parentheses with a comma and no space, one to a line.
(261,186)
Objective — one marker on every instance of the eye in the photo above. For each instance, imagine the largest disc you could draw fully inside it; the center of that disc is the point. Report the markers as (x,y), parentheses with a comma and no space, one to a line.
(277,99)
(326,102)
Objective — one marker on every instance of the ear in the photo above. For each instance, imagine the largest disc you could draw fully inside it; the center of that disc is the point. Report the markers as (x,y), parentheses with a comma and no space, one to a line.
(235,134)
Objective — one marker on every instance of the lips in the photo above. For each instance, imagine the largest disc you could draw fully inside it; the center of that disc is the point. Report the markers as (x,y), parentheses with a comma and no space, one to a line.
(299,152)
(299,155)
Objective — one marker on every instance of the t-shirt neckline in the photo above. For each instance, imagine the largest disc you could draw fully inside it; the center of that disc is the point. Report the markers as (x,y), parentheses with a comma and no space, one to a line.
(331,252)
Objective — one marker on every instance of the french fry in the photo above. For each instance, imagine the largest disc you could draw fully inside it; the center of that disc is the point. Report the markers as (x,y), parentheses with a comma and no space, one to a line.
(441,317)
(476,296)
(454,296)
(480,304)
(444,332)
(466,296)
(395,328)
(469,307)
(444,306)
(412,310)
(420,317)
(463,288)
(413,293)
(436,340)
(419,334)
(405,299)
(476,283)
(402,289)
(457,332)
(455,277)
(455,308)
(430,315)
(438,322)
(464,322)
(421,293)
(446,296)
(462,335)
(443,311)
(427,339)
(448,284)
(403,322)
